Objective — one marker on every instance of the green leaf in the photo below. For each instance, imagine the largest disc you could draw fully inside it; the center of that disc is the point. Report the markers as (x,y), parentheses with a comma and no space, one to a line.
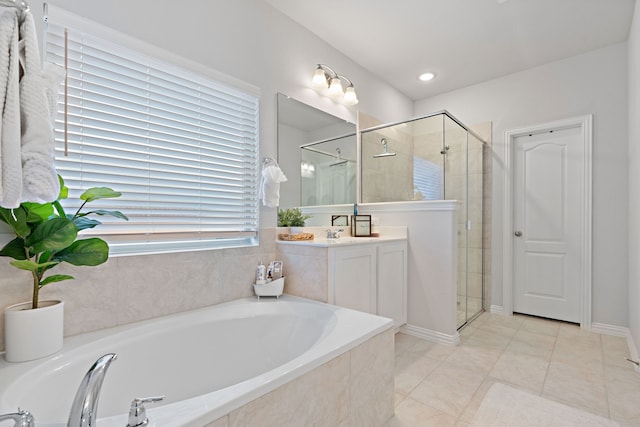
(55,278)
(82,223)
(64,190)
(96,193)
(36,212)
(19,224)
(103,212)
(32,266)
(53,235)
(93,251)
(14,249)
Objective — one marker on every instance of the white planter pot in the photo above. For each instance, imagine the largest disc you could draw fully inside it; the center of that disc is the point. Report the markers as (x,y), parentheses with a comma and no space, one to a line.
(296,230)
(32,334)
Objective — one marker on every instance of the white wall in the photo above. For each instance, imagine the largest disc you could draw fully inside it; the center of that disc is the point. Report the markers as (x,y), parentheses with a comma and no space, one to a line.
(248,40)
(634,178)
(245,39)
(592,83)
(431,263)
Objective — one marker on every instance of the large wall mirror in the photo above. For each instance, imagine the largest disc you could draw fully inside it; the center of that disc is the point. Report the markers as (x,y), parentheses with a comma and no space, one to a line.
(317,153)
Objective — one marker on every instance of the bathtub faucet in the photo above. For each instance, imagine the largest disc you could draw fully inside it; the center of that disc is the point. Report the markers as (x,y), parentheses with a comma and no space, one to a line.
(21,418)
(138,413)
(84,410)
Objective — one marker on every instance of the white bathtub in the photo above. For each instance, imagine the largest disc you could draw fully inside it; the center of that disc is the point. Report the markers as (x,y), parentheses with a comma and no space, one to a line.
(207,362)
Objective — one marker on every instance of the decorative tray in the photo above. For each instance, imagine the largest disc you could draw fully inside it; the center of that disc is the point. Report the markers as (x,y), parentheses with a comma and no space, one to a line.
(298,236)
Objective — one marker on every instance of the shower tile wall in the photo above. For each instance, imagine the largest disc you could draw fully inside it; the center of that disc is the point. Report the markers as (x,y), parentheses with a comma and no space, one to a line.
(391,179)
(387,179)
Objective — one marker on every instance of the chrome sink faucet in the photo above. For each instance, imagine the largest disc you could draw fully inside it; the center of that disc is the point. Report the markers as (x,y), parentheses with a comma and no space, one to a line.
(84,410)
(20,418)
(334,234)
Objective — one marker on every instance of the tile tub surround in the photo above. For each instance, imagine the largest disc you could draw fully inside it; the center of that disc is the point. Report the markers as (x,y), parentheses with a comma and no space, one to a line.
(256,346)
(132,288)
(354,389)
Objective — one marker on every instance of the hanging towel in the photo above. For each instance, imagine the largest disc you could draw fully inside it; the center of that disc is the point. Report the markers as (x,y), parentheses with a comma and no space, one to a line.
(272,176)
(38,98)
(10,158)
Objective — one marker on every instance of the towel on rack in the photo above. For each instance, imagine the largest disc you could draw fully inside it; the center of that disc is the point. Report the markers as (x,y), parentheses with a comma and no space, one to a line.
(272,176)
(38,99)
(10,158)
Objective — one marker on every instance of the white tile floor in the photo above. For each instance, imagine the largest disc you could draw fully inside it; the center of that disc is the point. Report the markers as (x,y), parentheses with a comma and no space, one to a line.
(439,385)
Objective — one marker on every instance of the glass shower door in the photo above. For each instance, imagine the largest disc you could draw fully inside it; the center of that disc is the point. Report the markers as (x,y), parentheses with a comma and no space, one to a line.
(475,243)
(455,188)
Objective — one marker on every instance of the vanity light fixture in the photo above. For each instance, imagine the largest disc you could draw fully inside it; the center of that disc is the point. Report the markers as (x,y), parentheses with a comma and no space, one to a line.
(324,77)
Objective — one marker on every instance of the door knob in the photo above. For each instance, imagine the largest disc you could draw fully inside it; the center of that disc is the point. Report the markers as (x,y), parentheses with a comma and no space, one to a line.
(518,233)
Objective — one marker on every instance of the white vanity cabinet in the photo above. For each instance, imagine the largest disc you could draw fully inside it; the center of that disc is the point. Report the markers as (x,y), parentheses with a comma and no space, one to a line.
(352,277)
(370,277)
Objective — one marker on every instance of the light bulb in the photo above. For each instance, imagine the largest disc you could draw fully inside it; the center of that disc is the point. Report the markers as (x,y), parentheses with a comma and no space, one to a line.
(425,77)
(335,88)
(350,97)
(319,80)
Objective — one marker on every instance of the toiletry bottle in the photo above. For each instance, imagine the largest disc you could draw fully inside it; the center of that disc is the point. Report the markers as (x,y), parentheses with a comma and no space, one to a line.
(261,272)
(355,209)
(270,272)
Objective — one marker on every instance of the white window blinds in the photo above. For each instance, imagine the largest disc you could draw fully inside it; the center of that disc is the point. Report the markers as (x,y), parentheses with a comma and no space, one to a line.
(181,148)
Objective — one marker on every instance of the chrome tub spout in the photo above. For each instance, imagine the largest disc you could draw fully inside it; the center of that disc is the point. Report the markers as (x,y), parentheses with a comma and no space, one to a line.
(20,418)
(84,410)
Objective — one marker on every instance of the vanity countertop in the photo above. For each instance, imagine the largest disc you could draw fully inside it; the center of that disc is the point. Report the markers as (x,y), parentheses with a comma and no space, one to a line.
(386,234)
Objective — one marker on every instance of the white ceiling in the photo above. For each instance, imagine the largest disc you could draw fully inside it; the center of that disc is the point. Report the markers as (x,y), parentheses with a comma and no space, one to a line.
(462,41)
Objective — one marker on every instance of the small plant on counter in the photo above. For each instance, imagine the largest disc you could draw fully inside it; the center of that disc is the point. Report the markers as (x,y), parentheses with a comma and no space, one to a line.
(292,217)
(46,236)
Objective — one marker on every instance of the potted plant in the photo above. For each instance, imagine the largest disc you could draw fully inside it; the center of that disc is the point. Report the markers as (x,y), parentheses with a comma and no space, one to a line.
(291,217)
(47,236)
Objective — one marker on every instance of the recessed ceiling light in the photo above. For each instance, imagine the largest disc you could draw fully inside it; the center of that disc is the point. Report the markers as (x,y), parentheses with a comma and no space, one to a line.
(425,77)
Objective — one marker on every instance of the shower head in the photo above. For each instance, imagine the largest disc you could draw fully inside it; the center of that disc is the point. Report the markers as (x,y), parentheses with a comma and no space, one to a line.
(339,159)
(384,153)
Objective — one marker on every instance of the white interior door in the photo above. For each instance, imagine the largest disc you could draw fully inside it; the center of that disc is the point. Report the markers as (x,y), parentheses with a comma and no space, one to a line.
(547,207)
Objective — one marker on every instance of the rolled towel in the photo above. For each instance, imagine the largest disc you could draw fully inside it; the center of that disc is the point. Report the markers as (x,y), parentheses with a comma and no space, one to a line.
(272,176)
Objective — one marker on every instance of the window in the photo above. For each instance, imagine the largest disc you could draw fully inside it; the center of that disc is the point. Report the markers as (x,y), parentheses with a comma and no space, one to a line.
(182,148)
(427,179)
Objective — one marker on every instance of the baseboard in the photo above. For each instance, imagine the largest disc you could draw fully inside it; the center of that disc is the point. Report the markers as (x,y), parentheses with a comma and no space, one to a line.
(633,351)
(616,331)
(429,335)
(497,309)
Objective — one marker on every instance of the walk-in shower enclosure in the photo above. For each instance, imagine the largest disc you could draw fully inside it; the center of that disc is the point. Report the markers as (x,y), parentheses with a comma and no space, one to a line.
(434,157)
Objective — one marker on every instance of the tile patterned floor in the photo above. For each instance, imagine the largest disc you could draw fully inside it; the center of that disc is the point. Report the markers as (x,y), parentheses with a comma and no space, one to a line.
(439,385)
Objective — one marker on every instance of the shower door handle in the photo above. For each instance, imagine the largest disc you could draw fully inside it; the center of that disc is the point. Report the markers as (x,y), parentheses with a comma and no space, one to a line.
(518,233)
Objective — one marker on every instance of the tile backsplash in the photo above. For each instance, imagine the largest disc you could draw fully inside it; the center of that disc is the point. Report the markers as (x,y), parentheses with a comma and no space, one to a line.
(132,288)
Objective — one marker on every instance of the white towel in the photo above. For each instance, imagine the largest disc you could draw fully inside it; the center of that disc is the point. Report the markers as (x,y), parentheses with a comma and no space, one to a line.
(38,98)
(272,176)
(10,158)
